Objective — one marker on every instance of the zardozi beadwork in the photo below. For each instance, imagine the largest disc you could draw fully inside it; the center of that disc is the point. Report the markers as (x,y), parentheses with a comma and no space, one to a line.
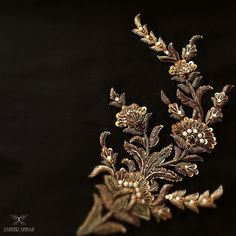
(135,192)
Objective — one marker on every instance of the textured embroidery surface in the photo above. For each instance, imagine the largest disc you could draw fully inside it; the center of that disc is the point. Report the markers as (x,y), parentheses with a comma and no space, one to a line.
(135,191)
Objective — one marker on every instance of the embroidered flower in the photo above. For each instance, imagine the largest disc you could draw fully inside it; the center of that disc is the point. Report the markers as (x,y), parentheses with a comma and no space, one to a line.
(213,115)
(181,68)
(108,156)
(131,116)
(220,99)
(176,110)
(195,133)
(136,181)
(186,168)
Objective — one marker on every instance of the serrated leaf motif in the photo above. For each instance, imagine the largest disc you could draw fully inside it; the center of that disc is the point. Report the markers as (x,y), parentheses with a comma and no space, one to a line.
(138,139)
(111,183)
(137,153)
(157,158)
(163,173)
(186,100)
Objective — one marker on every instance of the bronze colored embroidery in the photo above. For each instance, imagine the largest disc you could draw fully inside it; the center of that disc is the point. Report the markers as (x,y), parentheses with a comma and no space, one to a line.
(134,191)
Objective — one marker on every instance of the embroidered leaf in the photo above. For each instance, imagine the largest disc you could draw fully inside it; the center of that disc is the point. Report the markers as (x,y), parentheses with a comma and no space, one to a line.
(161,213)
(127,217)
(103,137)
(132,131)
(197,81)
(163,192)
(184,88)
(165,99)
(146,121)
(186,100)
(163,173)
(154,136)
(217,193)
(228,88)
(137,21)
(106,196)
(164,58)
(129,163)
(157,158)
(93,218)
(138,139)
(180,141)
(111,183)
(192,158)
(202,89)
(142,211)
(153,185)
(199,149)
(99,169)
(192,207)
(193,75)
(110,227)
(180,79)
(121,202)
(115,104)
(173,52)
(137,153)
(178,153)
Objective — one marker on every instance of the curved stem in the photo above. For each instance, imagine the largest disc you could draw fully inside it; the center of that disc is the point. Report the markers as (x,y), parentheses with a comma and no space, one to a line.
(147,150)
(195,98)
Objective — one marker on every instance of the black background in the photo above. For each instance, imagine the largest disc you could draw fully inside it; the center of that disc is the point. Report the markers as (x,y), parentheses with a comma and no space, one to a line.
(58,61)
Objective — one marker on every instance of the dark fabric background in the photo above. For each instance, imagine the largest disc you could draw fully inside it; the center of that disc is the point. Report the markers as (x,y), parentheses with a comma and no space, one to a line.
(58,61)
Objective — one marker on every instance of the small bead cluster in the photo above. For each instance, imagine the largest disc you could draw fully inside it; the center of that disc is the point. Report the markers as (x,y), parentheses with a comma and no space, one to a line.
(196,134)
(134,185)
(192,202)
